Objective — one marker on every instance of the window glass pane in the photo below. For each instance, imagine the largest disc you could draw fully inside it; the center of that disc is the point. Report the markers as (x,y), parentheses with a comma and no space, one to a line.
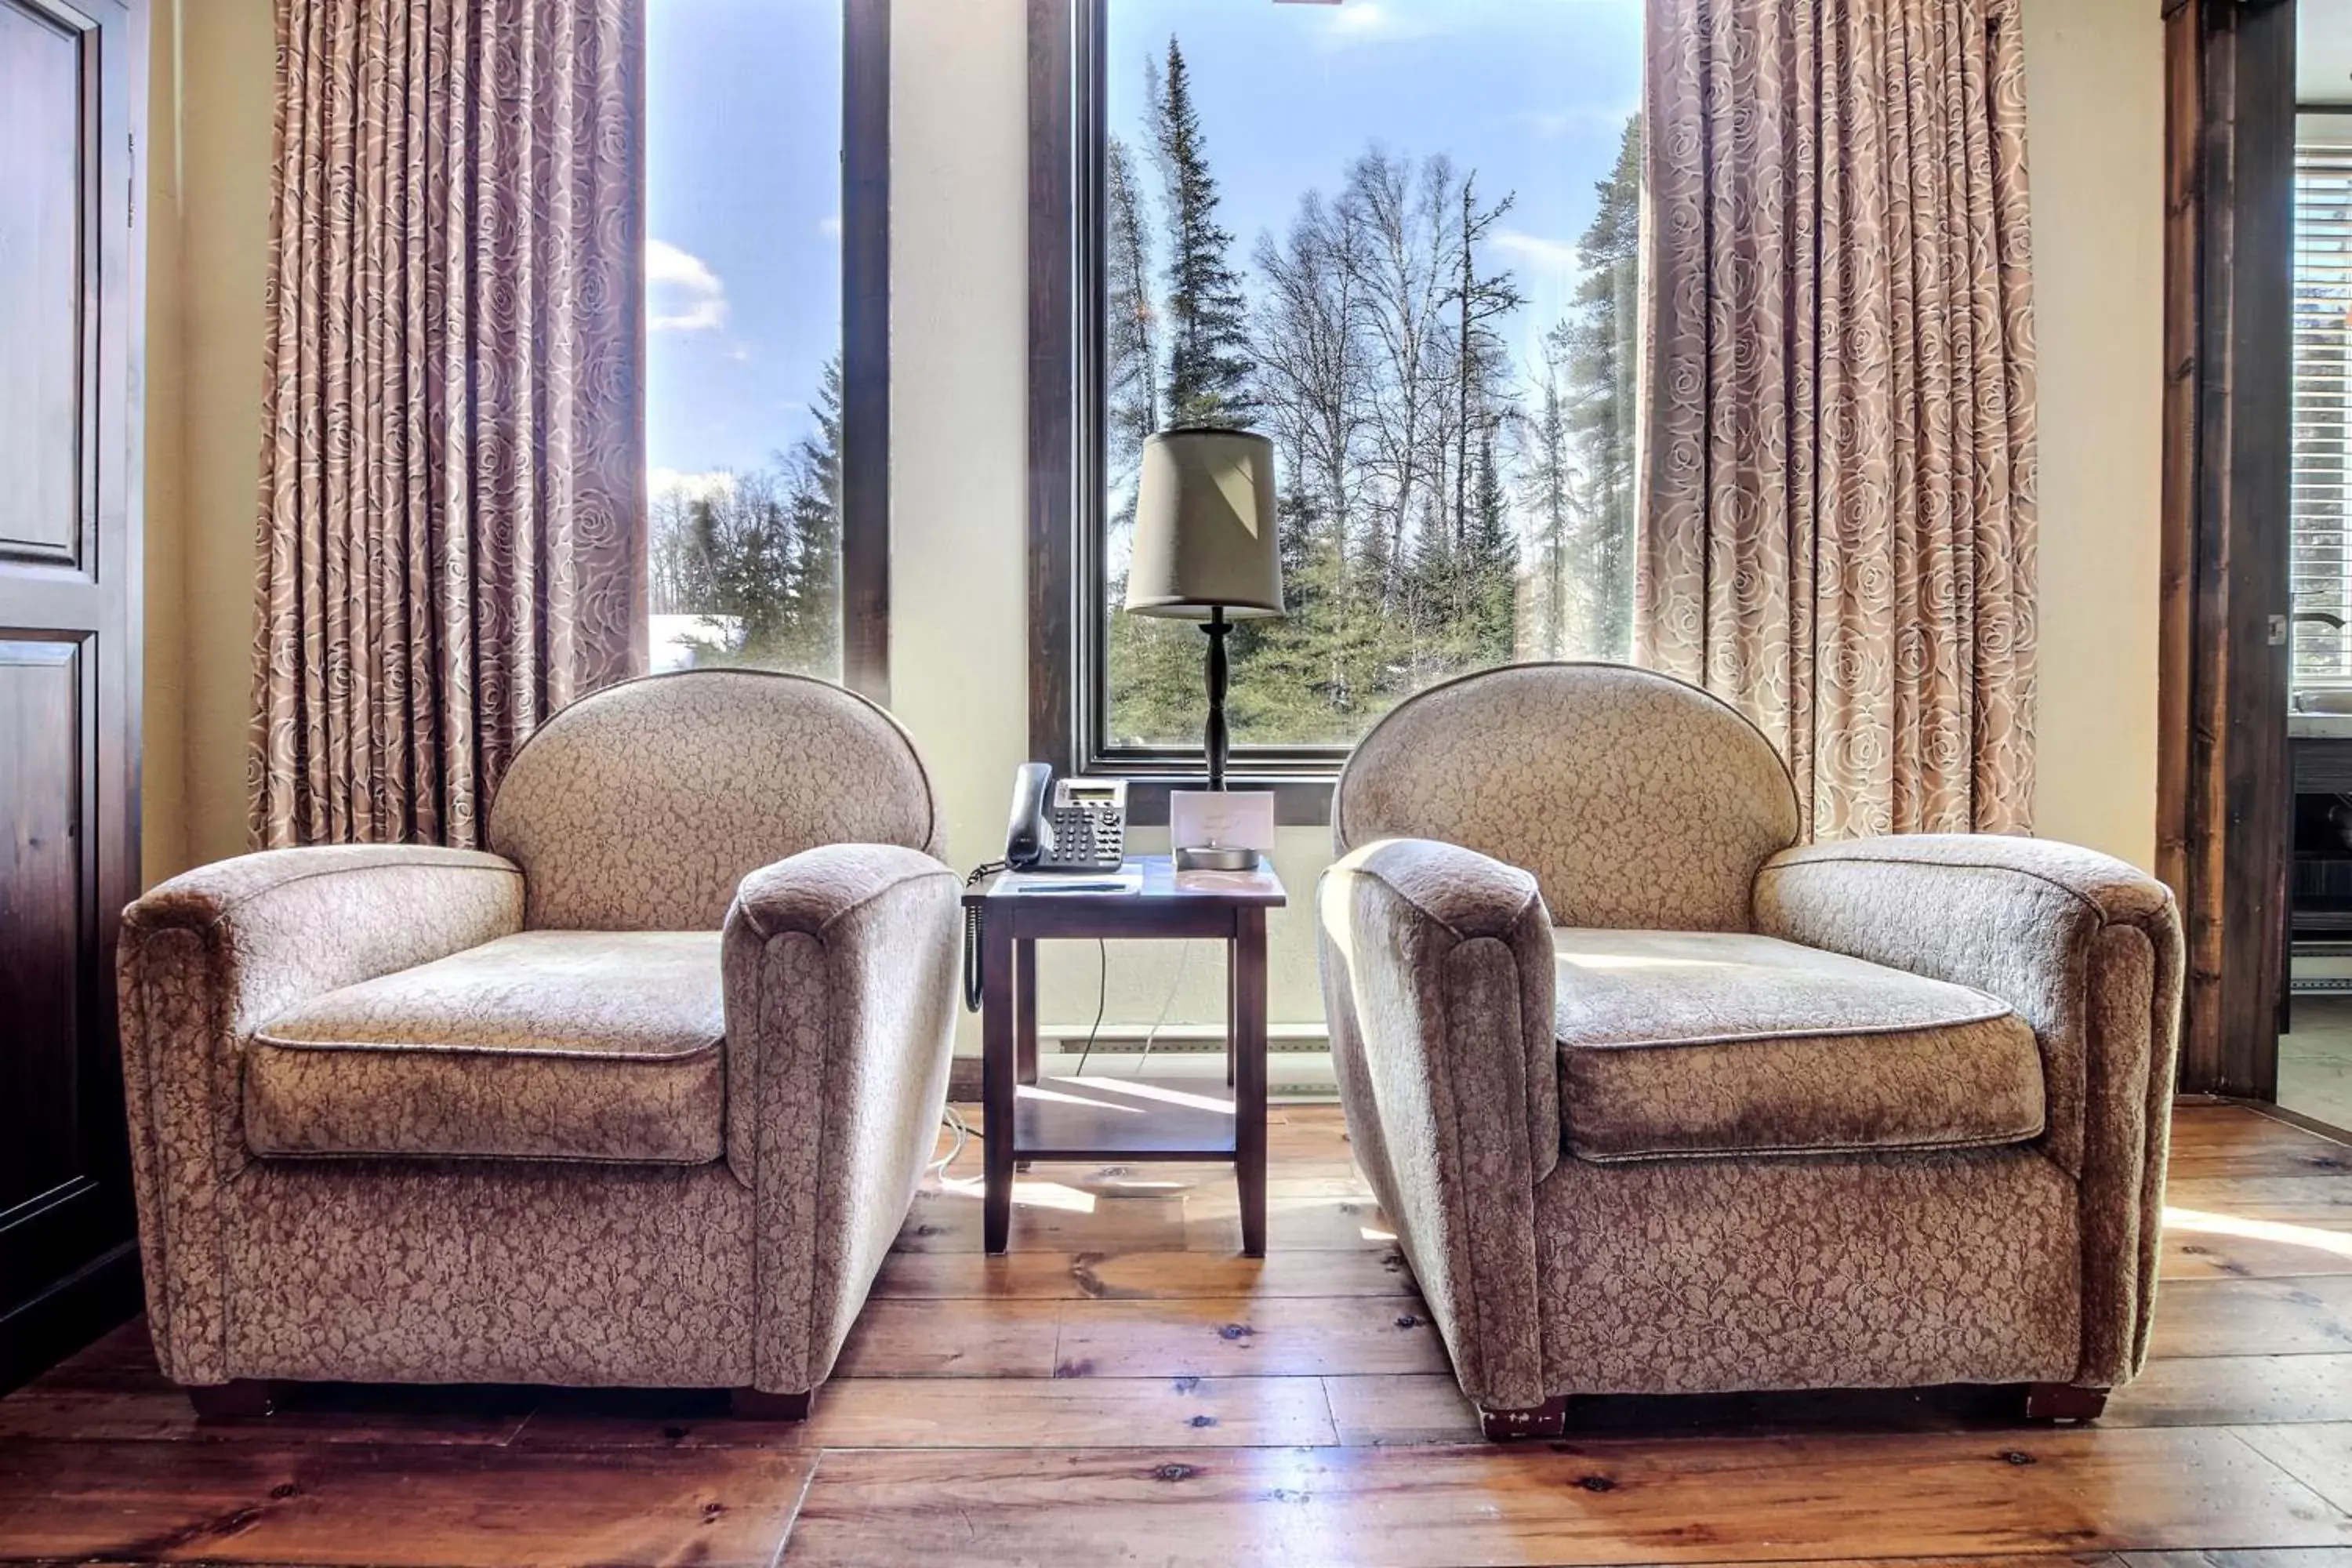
(1399,237)
(2323,353)
(743,333)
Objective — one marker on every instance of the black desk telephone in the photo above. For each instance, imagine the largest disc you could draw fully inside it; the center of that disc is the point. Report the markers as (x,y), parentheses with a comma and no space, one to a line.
(1083,832)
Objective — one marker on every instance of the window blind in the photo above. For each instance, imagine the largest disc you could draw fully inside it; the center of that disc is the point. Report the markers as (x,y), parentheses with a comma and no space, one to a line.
(2321,568)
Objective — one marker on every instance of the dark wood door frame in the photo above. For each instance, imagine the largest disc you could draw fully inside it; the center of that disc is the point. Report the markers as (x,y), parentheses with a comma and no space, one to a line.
(70,635)
(2222,787)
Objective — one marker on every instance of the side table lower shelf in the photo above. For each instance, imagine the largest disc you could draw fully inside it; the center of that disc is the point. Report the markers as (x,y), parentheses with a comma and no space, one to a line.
(1122,1118)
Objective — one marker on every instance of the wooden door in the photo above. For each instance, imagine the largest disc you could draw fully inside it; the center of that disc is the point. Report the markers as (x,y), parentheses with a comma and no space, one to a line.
(71,85)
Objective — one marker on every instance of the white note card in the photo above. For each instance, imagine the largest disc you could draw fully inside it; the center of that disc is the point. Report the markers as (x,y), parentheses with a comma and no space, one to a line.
(1225,819)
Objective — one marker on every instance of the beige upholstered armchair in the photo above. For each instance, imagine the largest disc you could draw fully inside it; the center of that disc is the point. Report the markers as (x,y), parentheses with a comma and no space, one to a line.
(1661,1104)
(640,1099)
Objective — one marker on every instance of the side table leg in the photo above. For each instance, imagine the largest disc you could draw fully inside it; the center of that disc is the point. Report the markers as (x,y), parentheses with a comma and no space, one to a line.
(1248,1035)
(1232,1009)
(1024,980)
(998,1068)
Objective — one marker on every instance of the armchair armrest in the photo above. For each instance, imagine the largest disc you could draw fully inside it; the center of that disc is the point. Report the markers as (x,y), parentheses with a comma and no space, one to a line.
(2087,950)
(840,994)
(210,956)
(1438,977)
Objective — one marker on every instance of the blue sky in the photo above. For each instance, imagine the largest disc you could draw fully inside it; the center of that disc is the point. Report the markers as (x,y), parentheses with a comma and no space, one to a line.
(744,98)
(743,211)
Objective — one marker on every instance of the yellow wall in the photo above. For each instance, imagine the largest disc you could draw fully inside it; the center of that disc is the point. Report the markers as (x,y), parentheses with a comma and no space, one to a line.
(163,745)
(960,651)
(217,97)
(2094,109)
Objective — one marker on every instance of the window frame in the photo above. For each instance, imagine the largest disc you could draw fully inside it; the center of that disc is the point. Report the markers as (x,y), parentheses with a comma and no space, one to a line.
(1067,617)
(863,320)
(866,348)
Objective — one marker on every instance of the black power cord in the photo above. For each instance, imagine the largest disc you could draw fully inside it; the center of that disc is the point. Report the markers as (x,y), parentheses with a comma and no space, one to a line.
(972,977)
(1102,995)
(971,966)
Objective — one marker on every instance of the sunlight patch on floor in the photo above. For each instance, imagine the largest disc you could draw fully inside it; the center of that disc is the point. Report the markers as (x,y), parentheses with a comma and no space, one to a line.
(2337,1243)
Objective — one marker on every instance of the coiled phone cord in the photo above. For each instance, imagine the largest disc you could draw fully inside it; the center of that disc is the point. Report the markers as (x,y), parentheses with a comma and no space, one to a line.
(972,977)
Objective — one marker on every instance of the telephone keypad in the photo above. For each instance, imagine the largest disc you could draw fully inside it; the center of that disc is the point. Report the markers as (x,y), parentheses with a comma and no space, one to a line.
(1089,833)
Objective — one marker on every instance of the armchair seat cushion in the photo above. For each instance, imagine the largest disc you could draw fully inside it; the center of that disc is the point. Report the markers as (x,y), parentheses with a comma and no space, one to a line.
(549,1045)
(1688,1045)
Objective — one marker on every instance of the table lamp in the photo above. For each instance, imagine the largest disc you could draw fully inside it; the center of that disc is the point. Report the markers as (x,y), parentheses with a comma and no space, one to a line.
(1205,550)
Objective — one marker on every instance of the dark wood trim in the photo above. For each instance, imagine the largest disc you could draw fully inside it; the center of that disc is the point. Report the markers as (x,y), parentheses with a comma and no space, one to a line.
(866,348)
(2224,802)
(1053,383)
(2308,1123)
(68,1314)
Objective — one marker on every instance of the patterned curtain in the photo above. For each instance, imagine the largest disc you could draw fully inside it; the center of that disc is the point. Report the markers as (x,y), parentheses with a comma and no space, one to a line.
(453,461)
(1837,531)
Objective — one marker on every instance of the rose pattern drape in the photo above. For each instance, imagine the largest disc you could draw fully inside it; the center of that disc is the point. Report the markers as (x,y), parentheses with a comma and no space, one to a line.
(1838,525)
(452,466)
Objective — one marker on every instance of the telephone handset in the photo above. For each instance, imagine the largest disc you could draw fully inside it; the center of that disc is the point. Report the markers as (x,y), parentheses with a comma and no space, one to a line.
(1081,831)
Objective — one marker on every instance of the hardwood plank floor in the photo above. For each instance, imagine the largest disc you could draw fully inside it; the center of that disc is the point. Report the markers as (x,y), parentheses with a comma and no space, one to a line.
(450,1506)
(1695,1500)
(1123,1388)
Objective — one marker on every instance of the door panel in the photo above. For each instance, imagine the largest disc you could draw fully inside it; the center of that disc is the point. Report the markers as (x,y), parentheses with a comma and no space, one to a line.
(72,80)
(42,142)
(42,963)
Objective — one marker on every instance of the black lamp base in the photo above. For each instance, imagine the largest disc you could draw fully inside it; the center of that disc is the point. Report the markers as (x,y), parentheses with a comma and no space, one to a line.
(1213,738)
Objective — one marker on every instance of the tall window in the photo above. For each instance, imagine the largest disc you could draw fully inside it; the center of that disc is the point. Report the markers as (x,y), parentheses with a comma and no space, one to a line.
(751,204)
(2322,540)
(1400,238)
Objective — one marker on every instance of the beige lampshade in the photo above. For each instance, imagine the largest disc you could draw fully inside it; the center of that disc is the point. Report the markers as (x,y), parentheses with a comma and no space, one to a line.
(1204,527)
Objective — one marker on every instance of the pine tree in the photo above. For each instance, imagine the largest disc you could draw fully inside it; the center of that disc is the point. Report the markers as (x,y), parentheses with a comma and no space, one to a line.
(1492,564)
(1130,353)
(1595,344)
(758,555)
(1207,313)
(1551,478)
(1478,354)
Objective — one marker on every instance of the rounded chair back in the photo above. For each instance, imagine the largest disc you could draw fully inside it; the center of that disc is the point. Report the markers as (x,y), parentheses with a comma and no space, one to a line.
(641,806)
(1637,802)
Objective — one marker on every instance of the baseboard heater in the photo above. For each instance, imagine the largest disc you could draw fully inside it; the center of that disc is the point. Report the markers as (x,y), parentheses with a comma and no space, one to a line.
(1297,1058)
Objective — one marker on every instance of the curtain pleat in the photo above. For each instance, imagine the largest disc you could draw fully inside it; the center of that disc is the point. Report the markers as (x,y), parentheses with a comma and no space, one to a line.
(450,532)
(1837,523)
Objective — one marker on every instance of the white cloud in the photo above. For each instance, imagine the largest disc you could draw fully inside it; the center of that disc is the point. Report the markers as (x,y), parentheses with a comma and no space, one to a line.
(829,226)
(1372,22)
(1535,250)
(708,485)
(1589,119)
(682,294)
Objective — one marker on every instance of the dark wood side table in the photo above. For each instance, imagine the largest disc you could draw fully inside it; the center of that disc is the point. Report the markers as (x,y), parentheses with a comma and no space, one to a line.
(1122,1119)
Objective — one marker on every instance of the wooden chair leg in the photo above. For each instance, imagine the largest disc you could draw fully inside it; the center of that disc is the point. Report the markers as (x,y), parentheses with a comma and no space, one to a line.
(759,1404)
(1548,1419)
(241,1399)
(2063,1402)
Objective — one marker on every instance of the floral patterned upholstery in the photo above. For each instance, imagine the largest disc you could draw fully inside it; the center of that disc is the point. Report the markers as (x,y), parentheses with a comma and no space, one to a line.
(411,1113)
(641,807)
(1688,1044)
(1705,1139)
(1635,801)
(544,1044)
